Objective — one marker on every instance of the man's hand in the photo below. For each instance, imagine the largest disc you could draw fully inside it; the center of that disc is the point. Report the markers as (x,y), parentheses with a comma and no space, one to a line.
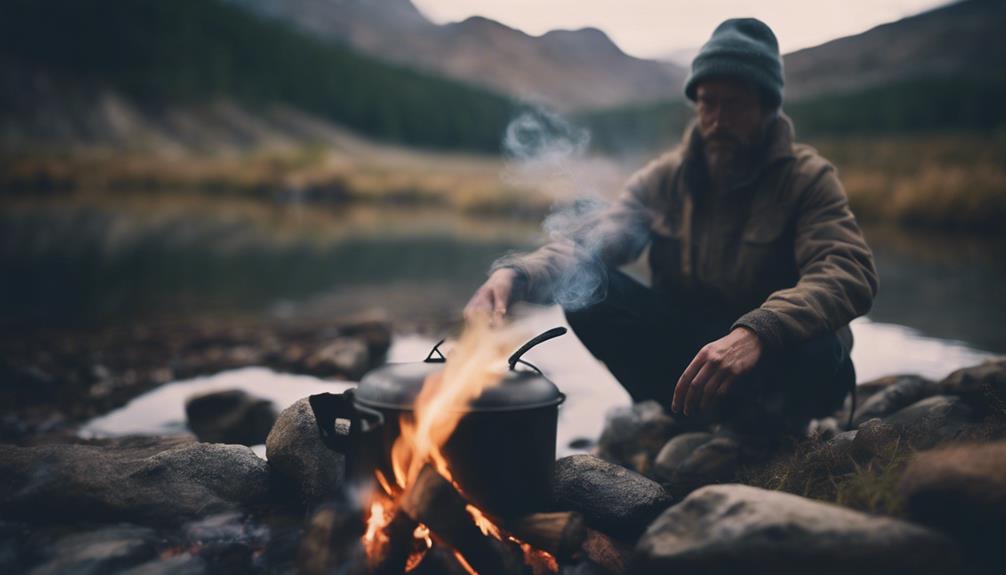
(493,297)
(715,368)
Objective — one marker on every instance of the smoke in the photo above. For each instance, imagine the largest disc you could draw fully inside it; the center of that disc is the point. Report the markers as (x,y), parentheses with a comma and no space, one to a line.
(546,152)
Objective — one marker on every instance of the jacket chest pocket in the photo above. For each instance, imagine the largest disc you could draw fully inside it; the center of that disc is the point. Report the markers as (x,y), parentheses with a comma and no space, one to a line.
(765,257)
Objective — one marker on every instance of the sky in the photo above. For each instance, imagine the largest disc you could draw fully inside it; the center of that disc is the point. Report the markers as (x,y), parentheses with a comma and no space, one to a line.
(658,28)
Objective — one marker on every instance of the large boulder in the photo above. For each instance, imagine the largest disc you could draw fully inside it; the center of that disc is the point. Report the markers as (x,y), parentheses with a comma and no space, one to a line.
(143,480)
(611,498)
(904,391)
(633,435)
(733,529)
(932,421)
(960,489)
(983,386)
(105,550)
(230,416)
(299,457)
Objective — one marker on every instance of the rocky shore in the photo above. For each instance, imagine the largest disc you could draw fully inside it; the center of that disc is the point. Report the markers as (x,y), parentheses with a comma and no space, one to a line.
(916,485)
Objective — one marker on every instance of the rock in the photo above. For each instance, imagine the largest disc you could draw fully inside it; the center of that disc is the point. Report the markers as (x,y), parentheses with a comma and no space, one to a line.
(959,489)
(230,416)
(634,435)
(841,442)
(101,551)
(872,438)
(612,498)
(144,480)
(983,386)
(296,453)
(226,541)
(184,564)
(931,421)
(733,529)
(712,462)
(676,451)
(333,540)
(825,428)
(904,391)
(345,356)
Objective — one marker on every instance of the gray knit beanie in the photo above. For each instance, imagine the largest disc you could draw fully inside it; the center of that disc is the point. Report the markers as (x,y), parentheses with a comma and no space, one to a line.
(740,48)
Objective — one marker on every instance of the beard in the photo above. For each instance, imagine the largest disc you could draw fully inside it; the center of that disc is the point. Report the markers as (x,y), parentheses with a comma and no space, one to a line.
(727,160)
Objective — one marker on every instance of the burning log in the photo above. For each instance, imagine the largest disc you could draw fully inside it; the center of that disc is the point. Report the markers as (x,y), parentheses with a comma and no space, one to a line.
(394,544)
(606,552)
(434,502)
(561,534)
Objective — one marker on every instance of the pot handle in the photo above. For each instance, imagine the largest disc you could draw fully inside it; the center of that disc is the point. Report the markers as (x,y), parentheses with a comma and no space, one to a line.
(542,337)
(340,420)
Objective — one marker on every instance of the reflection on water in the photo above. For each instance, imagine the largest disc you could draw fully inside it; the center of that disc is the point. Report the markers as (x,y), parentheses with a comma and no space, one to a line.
(125,258)
(590,389)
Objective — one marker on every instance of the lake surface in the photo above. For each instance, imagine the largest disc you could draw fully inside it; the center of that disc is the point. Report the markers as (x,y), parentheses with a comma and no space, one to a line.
(121,259)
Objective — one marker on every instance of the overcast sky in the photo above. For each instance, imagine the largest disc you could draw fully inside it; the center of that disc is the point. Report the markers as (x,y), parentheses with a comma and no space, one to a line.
(656,28)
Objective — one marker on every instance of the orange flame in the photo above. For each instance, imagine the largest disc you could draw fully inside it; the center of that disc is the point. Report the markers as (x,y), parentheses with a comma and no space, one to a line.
(476,363)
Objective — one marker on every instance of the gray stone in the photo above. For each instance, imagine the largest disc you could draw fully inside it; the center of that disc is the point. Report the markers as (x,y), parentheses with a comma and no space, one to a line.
(676,451)
(347,357)
(931,421)
(733,529)
(633,435)
(905,391)
(983,385)
(184,564)
(230,416)
(100,551)
(297,454)
(960,489)
(842,441)
(139,479)
(712,462)
(612,498)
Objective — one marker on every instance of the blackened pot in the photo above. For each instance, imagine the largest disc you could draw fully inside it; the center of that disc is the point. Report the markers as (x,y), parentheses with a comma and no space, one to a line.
(501,454)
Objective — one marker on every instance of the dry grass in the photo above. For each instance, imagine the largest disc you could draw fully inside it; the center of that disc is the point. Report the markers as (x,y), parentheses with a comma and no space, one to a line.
(946,181)
(864,474)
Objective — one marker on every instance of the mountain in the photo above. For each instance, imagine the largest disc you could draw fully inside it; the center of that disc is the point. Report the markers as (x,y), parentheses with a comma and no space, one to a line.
(963,40)
(941,70)
(59,75)
(565,69)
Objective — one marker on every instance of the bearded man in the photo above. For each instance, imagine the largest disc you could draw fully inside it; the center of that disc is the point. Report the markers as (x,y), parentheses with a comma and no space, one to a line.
(758,264)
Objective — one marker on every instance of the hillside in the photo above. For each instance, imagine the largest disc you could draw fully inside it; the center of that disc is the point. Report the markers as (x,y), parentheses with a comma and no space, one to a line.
(960,41)
(939,71)
(158,56)
(565,69)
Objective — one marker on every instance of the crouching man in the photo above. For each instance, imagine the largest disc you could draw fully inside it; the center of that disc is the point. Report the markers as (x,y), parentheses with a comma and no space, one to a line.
(758,264)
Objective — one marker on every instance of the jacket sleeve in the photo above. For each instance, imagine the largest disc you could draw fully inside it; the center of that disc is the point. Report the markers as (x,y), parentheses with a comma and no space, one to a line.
(838,279)
(586,241)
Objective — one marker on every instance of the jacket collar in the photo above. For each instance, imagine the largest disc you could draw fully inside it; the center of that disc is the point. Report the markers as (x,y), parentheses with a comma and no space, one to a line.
(778,145)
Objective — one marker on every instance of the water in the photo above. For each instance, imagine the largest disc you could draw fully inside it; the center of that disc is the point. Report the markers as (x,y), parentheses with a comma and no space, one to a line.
(113,259)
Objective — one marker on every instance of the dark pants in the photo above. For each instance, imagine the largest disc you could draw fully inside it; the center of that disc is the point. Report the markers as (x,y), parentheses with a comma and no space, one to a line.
(647,341)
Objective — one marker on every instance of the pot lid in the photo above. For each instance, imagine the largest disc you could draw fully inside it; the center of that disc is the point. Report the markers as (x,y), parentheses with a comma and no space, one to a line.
(396,386)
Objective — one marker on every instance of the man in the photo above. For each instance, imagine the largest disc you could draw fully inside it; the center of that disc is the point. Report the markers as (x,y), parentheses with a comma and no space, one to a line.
(758,264)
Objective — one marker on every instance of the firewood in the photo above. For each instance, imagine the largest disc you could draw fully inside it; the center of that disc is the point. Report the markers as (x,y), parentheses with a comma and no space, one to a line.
(333,540)
(560,533)
(433,501)
(440,561)
(390,558)
(606,552)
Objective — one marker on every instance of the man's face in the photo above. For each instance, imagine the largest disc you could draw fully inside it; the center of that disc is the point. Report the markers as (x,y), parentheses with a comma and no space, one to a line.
(731,117)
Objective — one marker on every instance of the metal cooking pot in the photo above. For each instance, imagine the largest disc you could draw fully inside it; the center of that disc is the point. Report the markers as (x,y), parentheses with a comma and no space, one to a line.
(502,452)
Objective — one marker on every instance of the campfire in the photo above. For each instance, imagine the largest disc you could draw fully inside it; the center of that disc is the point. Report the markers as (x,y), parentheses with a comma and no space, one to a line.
(423,510)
